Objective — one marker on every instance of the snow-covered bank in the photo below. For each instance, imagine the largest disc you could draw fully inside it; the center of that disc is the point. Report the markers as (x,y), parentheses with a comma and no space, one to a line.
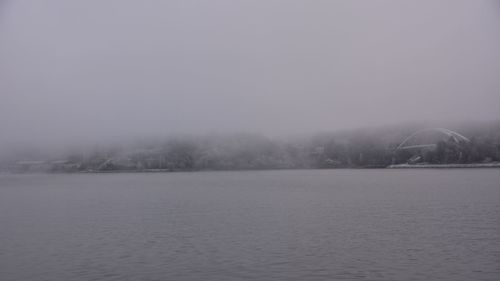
(472,165)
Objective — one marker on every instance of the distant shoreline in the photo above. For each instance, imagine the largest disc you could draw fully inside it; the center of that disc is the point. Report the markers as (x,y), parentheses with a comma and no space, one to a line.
(445,166)
(396,166)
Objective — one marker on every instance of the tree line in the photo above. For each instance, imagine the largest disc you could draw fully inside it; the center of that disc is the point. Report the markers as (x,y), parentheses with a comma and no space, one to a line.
(364,148)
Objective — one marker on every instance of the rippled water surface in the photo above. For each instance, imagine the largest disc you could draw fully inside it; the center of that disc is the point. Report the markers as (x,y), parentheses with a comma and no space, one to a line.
(266,225)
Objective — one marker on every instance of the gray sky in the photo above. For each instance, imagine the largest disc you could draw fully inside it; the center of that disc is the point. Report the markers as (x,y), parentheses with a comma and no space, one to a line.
(89,70)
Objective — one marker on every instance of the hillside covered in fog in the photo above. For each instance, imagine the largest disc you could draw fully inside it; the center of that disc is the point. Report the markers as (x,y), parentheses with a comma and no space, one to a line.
(362,148)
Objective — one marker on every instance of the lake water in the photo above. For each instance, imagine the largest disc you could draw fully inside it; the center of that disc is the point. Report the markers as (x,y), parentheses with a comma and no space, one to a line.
(252,225)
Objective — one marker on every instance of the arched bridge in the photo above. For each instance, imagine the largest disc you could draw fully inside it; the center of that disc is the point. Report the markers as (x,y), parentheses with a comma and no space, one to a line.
(456,137)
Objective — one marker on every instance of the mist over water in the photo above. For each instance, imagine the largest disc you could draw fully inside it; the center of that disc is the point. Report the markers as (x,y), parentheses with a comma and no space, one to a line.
(84,72)
(112,111)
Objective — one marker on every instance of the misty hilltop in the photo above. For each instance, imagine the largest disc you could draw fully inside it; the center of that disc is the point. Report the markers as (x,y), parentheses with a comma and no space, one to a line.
(80,72)
(376,147)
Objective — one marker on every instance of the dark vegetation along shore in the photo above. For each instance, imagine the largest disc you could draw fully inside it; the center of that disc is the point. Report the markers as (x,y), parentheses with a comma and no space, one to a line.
(363,148)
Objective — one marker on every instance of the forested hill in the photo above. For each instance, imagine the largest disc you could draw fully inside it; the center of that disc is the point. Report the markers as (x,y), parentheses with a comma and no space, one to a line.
(371,147)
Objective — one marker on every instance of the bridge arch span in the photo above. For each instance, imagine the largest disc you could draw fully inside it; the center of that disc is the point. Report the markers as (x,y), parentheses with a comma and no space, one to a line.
(452,134)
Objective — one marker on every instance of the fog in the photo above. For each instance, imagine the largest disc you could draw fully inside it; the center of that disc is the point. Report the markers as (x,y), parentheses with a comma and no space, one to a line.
(87,71)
